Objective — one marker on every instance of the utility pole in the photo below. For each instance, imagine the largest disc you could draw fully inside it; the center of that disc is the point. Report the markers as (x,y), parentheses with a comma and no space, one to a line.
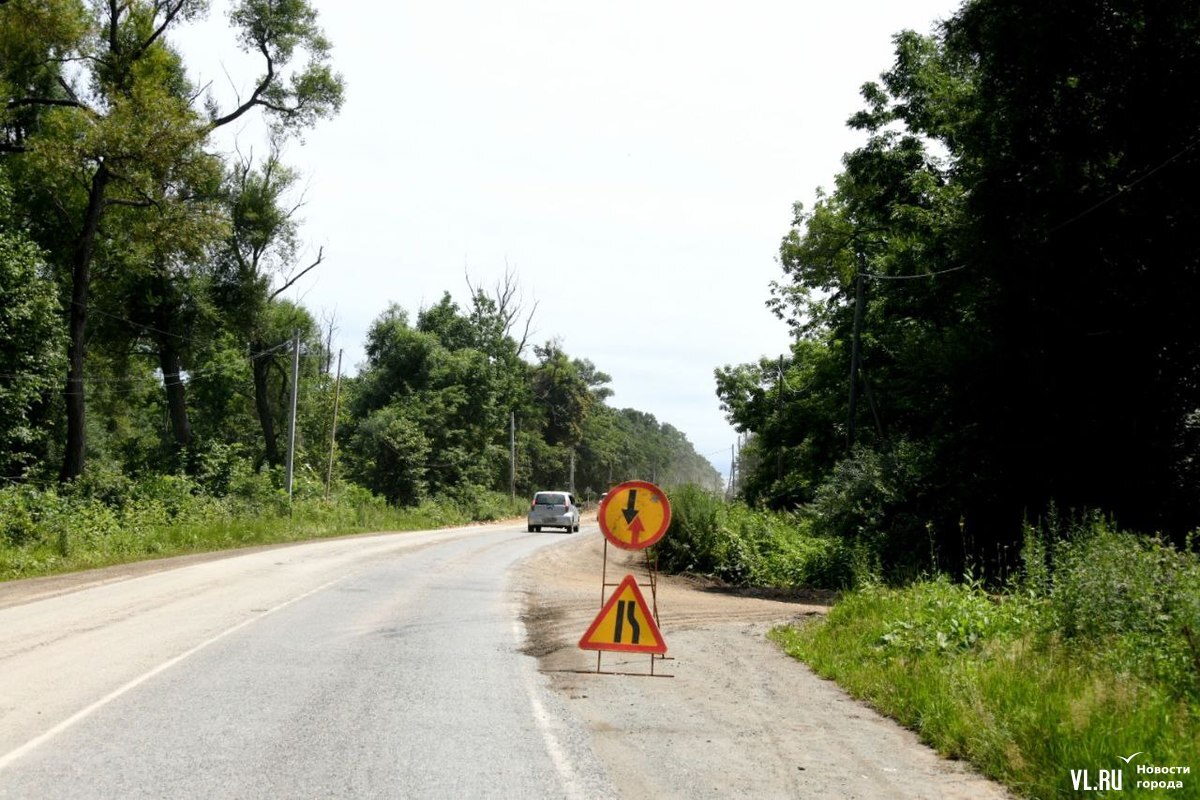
(337,395)
(732,472)
(779,422)
(571,479)
(291,454)
(512,454)
(856,349)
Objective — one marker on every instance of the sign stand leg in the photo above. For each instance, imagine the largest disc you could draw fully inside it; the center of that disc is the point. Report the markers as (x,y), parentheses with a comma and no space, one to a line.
(603,585)
(652,570)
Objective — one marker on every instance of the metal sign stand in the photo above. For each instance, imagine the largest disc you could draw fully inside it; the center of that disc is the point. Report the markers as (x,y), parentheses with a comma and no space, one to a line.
(605,585)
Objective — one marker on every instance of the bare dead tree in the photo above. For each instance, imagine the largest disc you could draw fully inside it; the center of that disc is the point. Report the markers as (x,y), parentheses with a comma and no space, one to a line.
(510,303)
(329,326)
(296,274)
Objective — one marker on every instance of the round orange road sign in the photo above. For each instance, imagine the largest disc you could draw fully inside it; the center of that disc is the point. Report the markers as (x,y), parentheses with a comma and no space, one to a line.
(634,515)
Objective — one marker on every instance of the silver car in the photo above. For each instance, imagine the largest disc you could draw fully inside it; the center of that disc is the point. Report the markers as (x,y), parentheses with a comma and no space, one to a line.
(554,510)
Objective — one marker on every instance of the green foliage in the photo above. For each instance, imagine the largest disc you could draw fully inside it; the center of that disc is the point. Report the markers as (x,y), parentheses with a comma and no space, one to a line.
(483,505)
(430,413)
(107,518)
(868,498)
(749,548)
(562,395)
(31,348)
(390,455)
(1023,711)
(626,444)
(279,29)
(1091,655)
(1027,310)
(101,138)
(1141,597)
(940,616)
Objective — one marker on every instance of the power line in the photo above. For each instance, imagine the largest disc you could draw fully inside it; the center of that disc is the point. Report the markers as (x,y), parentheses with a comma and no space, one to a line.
(194,342)
(1123,189)
(156,380)
(881,277)
(102,313)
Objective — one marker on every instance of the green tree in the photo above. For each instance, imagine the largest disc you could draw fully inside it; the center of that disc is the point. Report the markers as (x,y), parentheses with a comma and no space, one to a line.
(434,379)
(1080,149)
(253,267)
(97,110)
(31,347)
(1025,325)
(562,394)
(160,285)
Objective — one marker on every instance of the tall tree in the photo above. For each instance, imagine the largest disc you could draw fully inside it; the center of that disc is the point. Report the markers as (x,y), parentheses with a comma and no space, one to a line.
(114,114)
(31,346)
(256,265)
(1006,259)
(1083,149)
(562,394)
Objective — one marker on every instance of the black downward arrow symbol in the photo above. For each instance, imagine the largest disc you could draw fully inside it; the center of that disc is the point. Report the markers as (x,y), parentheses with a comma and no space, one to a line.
(630,509)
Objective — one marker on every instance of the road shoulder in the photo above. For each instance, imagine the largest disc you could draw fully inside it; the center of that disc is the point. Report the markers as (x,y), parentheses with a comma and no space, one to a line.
(739,718)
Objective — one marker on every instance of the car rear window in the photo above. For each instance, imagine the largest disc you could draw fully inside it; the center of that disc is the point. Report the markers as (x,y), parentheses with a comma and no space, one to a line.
(550,499)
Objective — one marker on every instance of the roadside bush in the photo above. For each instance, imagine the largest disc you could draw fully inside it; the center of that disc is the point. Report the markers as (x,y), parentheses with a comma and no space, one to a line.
(216,465)
(981,678)
(483,505)
(869,501)
(108,518)
(1139,596)
(102,483)
(18,526)
(1092,653)
(690,543)
(940,616)
(748,547)
(257,491)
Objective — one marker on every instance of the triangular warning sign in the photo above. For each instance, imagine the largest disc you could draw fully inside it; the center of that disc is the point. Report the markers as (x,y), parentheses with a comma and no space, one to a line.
(625,623)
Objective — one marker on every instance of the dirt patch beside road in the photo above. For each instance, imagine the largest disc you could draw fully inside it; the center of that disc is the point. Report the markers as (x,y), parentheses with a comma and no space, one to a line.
(739,718)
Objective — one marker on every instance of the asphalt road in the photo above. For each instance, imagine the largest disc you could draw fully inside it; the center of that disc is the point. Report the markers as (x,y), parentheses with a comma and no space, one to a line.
(382,666)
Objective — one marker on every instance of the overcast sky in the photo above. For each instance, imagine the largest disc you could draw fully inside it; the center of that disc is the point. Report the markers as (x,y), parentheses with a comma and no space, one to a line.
(635,163)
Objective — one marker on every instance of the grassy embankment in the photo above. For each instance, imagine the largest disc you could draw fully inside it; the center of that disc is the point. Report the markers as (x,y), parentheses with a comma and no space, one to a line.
(1092,654)
(50,530)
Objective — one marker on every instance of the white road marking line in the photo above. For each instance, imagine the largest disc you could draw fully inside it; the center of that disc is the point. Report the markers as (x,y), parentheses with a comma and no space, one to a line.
(545,723)
(8,758)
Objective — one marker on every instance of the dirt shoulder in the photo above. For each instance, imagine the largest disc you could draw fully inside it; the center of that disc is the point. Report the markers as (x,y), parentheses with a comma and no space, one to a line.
(739,718)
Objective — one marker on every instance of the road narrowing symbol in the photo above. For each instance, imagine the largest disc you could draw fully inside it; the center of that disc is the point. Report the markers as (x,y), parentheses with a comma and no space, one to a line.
(634,515)
(625,624)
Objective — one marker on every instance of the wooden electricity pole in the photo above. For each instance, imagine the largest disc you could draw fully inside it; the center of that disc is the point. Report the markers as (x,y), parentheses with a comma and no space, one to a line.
(779,422)
(855,350)
(291,453)
(337,395)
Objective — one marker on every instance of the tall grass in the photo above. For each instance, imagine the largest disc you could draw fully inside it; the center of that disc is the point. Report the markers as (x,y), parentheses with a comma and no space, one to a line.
(1090,656)
(111,521)
(747,547)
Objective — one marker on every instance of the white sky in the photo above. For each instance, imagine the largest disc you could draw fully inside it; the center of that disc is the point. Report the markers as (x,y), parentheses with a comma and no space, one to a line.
(634,162)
